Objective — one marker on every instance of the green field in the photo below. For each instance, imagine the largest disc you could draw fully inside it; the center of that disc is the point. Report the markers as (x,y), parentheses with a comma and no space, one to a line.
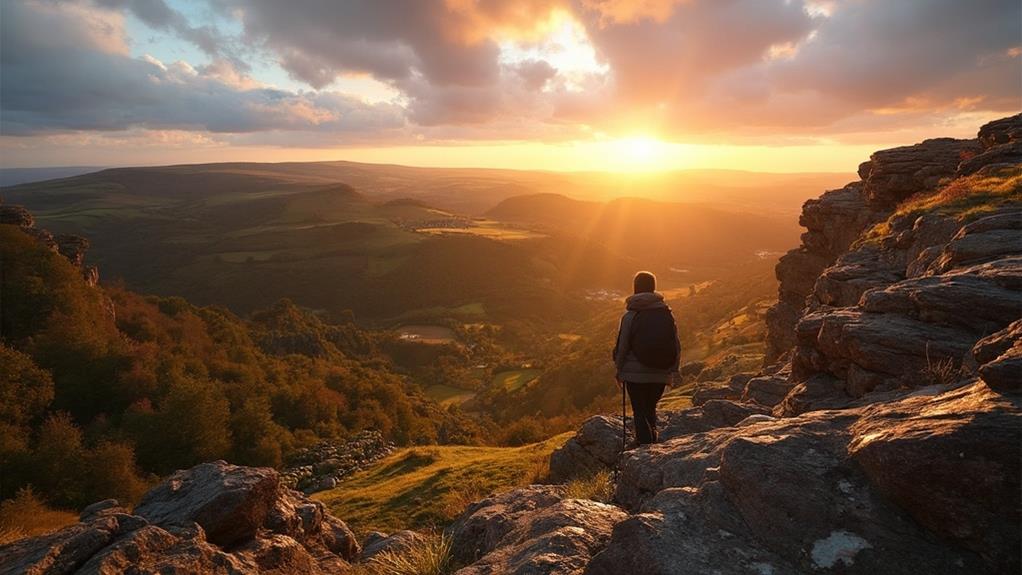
(428,486)
(434,334)
(515,379)
(447,395)
(487,229)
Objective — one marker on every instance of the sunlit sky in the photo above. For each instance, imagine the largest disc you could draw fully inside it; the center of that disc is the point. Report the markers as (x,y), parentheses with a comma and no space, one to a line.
(618,85)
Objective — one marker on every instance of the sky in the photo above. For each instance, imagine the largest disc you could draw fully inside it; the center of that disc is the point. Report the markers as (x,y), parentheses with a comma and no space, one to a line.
(619,85)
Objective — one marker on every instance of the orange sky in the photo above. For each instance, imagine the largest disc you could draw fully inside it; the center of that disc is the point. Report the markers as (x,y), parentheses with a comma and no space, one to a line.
(618,85)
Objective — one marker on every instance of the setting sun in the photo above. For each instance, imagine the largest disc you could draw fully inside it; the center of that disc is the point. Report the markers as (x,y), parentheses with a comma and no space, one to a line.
(640,153)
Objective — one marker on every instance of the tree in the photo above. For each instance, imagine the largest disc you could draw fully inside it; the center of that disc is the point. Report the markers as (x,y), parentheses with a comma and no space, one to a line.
(189,426)
(25,392)
(257,438)
(56,461)
(109,471)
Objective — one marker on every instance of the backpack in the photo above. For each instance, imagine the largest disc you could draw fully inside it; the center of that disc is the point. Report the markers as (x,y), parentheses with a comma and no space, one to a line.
(654,338)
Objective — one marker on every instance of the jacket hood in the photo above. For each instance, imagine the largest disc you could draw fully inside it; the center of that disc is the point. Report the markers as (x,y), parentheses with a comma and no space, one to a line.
(645,300)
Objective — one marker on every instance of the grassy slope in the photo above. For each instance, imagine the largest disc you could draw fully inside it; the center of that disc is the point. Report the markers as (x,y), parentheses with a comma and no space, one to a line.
(423,486)
(967,198)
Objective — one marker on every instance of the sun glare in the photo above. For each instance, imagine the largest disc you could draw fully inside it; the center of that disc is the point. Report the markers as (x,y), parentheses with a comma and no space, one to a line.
(639,153)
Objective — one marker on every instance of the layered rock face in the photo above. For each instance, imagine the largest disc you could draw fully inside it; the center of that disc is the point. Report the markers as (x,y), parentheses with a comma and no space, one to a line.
(213,518)
(906,307)
(811,275)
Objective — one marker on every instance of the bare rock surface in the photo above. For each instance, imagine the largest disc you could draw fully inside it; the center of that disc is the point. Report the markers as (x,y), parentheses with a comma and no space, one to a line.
(597,445)
(212,518)
(484,524)
(710,415)
(999,356)
(828,492)
(893,175)
(558,539)
(732,388)
(396,542)
(1002,144)
(965,447)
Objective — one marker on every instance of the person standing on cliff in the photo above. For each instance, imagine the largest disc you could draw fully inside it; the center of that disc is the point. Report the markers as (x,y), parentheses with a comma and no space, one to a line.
(647,353)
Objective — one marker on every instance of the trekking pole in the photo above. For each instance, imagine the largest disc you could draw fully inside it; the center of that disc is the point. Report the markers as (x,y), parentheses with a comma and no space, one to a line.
(624,431)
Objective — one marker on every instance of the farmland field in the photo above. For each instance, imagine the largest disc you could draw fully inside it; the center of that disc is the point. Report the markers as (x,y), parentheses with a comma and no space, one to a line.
(447,395)
(515,379)
(433,334)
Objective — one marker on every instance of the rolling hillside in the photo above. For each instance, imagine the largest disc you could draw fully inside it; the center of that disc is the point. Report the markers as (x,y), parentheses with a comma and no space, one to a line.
(337,236)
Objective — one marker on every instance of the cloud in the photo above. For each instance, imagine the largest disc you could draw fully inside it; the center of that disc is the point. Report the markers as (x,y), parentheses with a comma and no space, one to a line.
(63,72)
(159,16)
(711,70)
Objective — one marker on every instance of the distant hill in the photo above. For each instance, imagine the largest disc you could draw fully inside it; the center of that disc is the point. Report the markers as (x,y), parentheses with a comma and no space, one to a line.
(385,240)
(475,190)
(15,176)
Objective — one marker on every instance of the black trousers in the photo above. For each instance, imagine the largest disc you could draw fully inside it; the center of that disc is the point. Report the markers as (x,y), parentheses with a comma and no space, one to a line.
(644,399)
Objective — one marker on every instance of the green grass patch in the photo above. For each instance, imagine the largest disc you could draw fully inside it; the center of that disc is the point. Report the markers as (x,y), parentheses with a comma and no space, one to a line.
(420,487)
(447,395)
(677,398)
(515,379)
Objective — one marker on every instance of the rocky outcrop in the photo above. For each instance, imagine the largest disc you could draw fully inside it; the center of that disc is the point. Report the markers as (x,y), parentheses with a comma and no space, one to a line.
(827,491)
(903,307)
(821,273)
(965,447)
(323,465)
(891,176)
(732,388)
(400,541)
(532,530)
(999,356)
(212,518)
(70,246)
(1002,144)
(832,221)
(597,445)
(16,216)
(710,415)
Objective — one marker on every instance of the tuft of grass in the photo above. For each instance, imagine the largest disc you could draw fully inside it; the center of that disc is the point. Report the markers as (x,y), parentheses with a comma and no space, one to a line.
(966,198)
(26,515)
(941,372)
(538,472)
(431,556)
(418,488)
(598,487)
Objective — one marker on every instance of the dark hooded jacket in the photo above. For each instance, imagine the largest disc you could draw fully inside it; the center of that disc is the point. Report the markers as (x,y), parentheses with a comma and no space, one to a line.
(629,368)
